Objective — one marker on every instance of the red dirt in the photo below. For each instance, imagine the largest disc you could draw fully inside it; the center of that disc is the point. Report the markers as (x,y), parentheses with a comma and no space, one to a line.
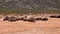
(52,26)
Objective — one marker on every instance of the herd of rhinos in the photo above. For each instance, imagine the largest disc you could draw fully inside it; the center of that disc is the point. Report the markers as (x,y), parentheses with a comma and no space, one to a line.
(29,18)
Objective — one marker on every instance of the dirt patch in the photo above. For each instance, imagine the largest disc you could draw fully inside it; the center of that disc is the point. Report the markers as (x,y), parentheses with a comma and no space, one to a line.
(52,26)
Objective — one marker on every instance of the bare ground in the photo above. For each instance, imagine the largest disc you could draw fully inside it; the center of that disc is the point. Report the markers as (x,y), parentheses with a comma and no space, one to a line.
(52,26)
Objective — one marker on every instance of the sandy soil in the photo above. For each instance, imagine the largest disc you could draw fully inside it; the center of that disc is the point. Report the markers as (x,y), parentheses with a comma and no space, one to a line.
(52,26)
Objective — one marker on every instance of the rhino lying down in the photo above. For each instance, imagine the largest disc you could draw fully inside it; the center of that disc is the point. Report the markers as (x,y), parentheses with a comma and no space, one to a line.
(28,18)
(10,18)
(54,16)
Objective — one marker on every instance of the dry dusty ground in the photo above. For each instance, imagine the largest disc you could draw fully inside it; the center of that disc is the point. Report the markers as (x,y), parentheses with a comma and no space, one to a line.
(52,26)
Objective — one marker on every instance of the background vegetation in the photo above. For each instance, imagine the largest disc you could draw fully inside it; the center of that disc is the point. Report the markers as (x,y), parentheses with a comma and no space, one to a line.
(26,11)
(29,6)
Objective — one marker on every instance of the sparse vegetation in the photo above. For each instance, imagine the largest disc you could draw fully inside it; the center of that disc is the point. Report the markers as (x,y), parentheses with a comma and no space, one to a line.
(29,6)
(26,11)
